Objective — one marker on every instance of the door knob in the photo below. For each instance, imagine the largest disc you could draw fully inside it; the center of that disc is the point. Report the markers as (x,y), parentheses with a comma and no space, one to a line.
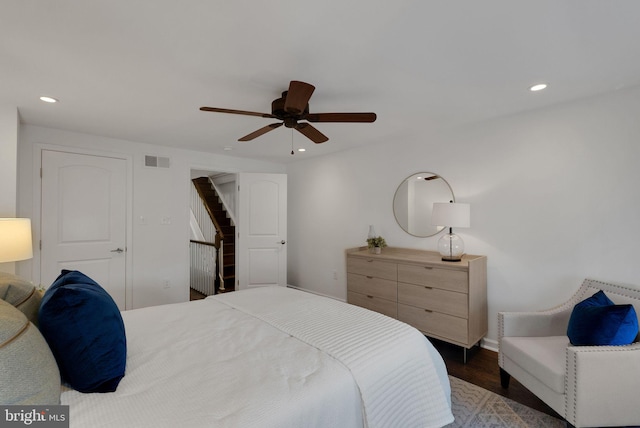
(117,250)
(283,242)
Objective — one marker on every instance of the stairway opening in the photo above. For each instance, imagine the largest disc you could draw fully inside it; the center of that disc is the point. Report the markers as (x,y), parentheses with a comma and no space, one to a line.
(221,241)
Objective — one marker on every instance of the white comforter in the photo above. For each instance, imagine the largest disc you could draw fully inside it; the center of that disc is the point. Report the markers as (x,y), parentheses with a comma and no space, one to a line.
(270,357)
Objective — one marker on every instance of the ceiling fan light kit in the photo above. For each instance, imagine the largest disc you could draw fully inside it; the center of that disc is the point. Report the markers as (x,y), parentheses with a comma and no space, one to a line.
(292,108)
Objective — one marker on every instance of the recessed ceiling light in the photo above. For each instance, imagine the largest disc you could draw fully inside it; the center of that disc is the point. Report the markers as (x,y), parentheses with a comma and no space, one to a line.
(538,87)
(48,100)
(302,150)
(227,149)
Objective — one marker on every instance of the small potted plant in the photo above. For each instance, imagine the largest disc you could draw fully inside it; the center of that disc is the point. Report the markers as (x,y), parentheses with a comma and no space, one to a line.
(376,244)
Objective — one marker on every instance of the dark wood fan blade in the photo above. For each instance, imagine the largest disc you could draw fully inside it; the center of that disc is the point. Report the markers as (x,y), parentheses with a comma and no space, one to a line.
(311,133)
(260,132)
(244,112)
(298,97)
(341,117)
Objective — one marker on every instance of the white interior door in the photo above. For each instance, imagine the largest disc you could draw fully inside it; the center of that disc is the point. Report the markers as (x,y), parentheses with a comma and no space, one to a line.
(83,224)
(262,230)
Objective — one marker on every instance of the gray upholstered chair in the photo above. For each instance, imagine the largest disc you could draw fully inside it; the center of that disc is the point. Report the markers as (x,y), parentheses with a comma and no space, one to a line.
(590,386)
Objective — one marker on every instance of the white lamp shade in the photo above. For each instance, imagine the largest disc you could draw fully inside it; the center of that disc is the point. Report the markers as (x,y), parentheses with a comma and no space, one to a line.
(15,239)
(451,214)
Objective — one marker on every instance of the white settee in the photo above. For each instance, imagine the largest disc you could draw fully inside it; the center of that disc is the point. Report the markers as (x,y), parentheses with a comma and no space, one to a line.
(590,386)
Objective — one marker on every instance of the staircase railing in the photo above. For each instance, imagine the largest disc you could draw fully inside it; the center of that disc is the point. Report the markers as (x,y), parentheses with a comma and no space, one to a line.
(220,236)
(202,215)
(205,263)
(218,242)
(203,267)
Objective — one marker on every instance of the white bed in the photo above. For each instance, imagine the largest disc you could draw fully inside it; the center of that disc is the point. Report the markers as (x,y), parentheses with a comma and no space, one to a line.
(270,357)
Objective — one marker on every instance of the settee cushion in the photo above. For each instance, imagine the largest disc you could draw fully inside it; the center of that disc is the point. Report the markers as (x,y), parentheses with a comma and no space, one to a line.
(28,372)
(544,357)
(85,331)
(598,321)
(20,293)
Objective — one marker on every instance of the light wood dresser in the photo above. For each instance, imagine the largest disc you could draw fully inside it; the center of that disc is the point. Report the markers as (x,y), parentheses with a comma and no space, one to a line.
(444,300)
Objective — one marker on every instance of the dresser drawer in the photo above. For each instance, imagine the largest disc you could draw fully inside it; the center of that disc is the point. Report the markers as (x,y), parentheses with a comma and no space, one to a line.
(373,303)
(435,299)
(373,286)
(435,324)
(372,267)
(447,279)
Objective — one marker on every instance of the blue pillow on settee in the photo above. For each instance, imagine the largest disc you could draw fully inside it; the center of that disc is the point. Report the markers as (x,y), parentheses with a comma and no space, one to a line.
(599,321)
(84,329)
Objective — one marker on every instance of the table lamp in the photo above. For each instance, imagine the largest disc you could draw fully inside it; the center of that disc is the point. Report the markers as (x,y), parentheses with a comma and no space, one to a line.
(452,214)
(15,239)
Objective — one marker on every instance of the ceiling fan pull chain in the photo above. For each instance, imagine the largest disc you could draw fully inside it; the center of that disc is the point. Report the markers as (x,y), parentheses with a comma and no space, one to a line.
(292,142)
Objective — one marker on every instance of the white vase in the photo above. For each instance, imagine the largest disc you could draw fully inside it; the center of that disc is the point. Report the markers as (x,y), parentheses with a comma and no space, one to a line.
(377,250)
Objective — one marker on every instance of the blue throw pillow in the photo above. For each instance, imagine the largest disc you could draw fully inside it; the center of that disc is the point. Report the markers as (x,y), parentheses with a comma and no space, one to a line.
(85,332)
(598,321)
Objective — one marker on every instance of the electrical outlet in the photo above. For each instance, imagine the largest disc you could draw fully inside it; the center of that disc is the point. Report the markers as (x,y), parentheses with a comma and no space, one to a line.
(166,285)
(335,275)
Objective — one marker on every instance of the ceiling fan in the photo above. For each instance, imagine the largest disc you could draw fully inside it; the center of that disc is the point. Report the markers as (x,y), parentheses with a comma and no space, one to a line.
(292,108)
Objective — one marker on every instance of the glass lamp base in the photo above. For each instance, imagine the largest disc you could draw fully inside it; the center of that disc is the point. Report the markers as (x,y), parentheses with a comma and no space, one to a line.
(451,247)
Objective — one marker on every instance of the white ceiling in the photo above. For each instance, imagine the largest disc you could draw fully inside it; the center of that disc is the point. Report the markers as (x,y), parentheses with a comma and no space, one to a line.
(140,69)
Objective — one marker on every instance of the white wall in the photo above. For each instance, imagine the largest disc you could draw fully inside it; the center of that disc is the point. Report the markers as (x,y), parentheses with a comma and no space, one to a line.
(8,167)
(554,199)
(159,252)
(9,156)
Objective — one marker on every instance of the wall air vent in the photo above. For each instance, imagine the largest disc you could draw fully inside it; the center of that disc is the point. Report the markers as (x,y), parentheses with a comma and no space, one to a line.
(156,161)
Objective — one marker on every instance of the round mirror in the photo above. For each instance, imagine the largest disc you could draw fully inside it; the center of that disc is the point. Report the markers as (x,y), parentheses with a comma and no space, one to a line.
(413,202)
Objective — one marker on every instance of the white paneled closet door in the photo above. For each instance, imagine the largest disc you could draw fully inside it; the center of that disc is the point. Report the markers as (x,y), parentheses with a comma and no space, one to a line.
(83,225)
(262,230)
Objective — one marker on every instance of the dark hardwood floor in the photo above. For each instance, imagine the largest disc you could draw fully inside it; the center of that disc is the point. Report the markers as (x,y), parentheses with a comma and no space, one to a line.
(481,369)
(195,295)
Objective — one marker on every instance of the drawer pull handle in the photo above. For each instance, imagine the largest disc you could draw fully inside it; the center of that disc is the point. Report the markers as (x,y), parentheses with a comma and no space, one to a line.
(370,260)
(428,267)
(371,297)
(428,288)
(428,310)
(369,277)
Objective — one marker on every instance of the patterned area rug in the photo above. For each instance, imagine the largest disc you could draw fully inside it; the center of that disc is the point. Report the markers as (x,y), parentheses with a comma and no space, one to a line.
(476,407)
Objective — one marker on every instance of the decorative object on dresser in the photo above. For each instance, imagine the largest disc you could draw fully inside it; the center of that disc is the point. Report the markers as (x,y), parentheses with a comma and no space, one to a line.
(372,232)
(444,300)
(453,214)
(376,244)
